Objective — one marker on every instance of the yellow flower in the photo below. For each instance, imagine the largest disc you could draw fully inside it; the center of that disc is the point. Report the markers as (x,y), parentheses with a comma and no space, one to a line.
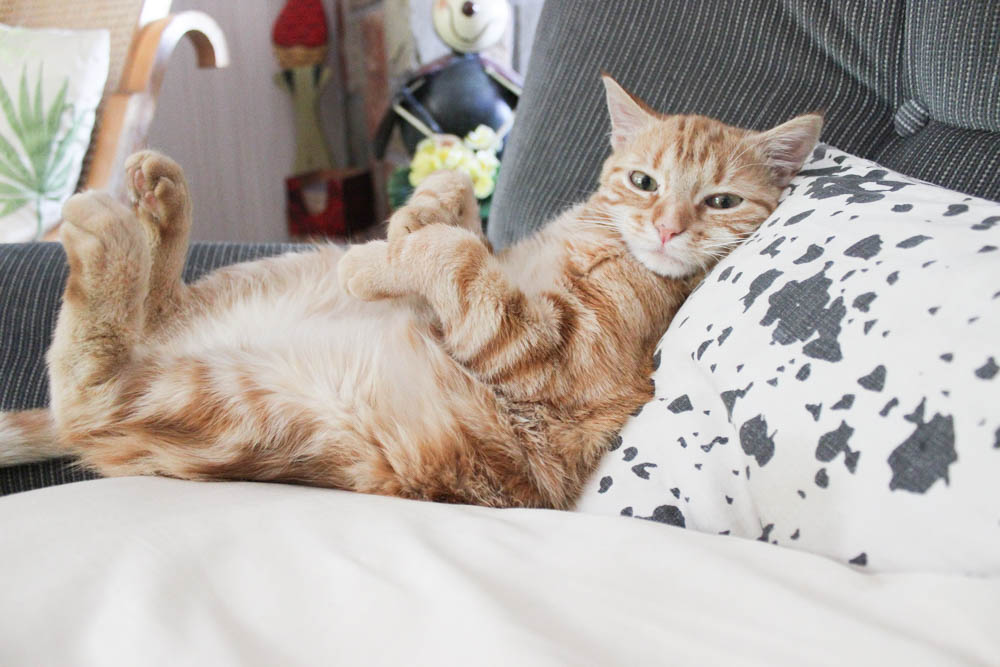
(423,165)
(446,151)
(483,187)
(483,138)
(487,161)
(458,157)
(425,161)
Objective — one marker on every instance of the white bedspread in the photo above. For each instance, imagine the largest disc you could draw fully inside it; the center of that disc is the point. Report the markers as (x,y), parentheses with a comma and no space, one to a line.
(145,571)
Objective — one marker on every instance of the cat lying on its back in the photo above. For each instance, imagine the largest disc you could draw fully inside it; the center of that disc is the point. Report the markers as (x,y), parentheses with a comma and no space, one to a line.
(423,366)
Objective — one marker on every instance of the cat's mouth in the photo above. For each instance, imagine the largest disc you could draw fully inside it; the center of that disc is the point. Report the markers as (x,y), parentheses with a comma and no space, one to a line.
(667,253)
(662,259)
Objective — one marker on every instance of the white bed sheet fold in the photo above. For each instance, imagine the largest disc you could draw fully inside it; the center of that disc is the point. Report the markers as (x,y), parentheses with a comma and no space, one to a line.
(161,572)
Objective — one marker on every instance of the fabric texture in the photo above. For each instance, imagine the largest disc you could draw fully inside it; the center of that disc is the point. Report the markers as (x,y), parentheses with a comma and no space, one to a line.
(31,281)
(952,61)
(268,574)
(755,64)
(833,384)
(48,105)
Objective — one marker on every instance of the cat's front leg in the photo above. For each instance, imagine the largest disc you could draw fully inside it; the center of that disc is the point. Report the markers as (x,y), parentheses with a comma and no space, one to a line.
(416,263)
(377,270)
(497,331)
(365,273)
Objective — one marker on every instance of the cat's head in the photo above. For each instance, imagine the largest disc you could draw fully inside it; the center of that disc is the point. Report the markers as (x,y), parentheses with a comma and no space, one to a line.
(682,191)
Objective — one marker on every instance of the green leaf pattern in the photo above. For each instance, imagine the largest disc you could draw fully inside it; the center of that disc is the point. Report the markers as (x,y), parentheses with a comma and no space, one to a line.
(39,165)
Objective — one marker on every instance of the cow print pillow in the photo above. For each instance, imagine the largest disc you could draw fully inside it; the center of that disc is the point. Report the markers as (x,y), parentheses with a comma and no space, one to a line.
(833,384)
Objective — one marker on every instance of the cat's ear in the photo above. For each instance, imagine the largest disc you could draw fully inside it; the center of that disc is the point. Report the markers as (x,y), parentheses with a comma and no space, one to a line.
(787,146)
(629,116)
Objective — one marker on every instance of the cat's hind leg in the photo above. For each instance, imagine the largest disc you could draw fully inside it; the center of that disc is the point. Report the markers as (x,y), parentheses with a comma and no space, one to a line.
(160,199)
(101,314)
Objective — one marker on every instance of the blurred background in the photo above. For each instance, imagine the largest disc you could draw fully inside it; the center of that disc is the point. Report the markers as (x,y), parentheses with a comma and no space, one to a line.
(233,129)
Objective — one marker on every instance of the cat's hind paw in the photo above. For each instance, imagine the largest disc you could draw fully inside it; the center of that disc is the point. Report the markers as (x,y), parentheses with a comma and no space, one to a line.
(364,272)
(104,244)
(157,189)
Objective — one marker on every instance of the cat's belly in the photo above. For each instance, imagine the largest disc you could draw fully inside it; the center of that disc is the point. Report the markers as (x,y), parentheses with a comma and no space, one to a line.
(371,372)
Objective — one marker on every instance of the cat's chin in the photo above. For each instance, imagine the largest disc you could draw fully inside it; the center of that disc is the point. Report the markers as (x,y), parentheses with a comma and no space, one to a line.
(661,262)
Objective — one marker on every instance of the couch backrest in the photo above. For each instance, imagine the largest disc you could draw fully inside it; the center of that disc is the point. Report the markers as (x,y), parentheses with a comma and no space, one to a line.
(911,84)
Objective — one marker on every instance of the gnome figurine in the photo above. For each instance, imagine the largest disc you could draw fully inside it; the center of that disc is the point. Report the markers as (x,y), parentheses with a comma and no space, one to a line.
(463,90)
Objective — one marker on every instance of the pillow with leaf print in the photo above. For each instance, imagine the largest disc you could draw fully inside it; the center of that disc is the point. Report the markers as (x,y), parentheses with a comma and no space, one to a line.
(834,384)
(51,82)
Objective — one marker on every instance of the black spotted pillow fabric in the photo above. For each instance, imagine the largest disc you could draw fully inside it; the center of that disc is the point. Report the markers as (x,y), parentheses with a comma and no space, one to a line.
(834,384)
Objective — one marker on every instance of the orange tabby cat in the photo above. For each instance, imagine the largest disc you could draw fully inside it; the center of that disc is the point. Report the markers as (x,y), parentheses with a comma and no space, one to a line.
(423,366)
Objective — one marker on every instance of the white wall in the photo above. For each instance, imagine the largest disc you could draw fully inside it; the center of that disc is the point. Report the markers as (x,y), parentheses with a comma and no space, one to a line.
(232,129)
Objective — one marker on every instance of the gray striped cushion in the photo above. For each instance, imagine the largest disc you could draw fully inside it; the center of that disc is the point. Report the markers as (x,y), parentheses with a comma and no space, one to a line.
(952,53)
(753,64)
(31,281)
(963,160)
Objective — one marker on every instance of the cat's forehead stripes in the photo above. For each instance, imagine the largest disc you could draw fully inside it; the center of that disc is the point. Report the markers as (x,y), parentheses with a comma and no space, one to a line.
(692,151)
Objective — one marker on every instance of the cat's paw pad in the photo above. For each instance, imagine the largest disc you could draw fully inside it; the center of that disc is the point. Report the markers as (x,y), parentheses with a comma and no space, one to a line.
(444,197)
(156,187)
(99,232)
(364,272)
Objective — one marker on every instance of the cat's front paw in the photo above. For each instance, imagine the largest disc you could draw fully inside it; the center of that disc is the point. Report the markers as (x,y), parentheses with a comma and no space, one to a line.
(157,189)
(364,272)
(444,197)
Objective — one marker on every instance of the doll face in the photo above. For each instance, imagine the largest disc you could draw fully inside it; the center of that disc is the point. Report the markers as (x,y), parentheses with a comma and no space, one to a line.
(468,26)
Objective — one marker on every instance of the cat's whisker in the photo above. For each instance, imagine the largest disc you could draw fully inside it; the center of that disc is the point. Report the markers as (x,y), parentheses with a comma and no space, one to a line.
(753,164)
(730,245)
(606,222)
(598,221)
(737,156)
(722,245)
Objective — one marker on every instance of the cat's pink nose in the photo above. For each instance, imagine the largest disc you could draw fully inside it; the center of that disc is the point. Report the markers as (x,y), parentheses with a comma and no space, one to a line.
(667,234)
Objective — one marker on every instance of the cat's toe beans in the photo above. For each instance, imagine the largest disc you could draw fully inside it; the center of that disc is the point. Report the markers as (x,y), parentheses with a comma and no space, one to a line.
(155,184)
(149,201)
(138,180)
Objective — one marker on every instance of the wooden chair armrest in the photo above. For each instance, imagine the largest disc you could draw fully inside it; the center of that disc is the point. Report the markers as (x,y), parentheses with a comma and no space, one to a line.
(155,42)
(128,112)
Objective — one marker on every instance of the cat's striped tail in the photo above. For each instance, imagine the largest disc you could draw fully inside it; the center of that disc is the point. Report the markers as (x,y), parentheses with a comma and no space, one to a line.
(28,436)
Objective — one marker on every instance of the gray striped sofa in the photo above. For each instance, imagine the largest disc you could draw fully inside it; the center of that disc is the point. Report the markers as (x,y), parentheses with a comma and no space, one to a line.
(912,84)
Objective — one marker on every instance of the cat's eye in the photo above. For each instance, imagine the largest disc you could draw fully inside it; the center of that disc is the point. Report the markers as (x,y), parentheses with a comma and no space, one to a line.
(642,181)
(723,201)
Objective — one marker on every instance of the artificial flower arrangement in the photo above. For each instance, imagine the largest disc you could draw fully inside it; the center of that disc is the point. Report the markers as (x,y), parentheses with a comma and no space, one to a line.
(476,155)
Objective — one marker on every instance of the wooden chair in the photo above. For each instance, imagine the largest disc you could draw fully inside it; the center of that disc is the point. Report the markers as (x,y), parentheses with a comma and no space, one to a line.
(143,35)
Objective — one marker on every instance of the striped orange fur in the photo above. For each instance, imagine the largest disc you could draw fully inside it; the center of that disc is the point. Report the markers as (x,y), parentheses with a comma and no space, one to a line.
(423,366)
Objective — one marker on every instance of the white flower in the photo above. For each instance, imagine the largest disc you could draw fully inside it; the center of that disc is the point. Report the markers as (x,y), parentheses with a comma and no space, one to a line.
(483,138)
